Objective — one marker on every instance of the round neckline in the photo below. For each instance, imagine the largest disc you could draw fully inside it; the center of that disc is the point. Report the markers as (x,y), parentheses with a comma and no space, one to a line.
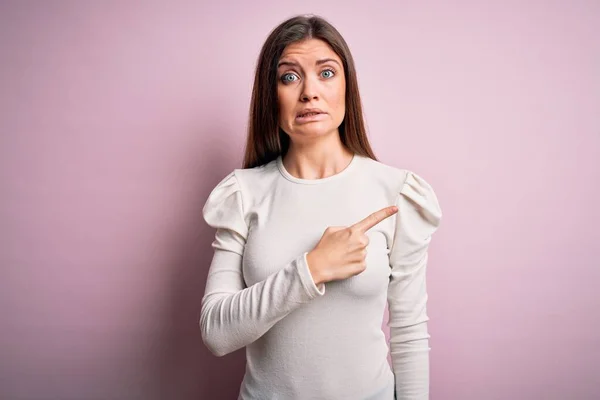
(294,179)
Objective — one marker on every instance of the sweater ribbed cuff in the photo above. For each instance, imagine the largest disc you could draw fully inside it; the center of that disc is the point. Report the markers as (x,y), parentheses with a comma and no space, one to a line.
(307,280)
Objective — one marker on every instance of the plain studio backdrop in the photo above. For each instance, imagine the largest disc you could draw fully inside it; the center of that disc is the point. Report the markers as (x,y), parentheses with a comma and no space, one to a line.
(117,118)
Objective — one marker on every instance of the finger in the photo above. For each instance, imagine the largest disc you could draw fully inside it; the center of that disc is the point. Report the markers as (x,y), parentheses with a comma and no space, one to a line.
(375,218)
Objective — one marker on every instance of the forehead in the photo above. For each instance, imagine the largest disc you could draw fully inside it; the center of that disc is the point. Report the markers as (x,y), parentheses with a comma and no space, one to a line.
(308,50)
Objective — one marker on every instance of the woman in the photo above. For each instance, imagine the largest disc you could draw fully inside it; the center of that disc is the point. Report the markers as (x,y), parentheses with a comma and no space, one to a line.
(313,235)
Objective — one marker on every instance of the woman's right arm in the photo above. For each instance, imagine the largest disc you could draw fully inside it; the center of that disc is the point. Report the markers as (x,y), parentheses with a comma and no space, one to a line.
(233,315)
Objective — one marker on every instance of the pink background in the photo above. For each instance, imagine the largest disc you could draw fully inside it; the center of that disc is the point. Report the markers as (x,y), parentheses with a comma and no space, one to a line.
(118,118)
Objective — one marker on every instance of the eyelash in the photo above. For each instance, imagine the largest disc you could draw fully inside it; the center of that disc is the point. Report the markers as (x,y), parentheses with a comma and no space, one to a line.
(282,79)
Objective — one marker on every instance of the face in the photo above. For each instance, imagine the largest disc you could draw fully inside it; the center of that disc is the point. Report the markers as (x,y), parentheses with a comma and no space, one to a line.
(310,75)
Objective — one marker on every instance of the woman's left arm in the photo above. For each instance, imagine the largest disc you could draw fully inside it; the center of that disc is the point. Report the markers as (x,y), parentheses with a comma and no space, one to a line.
(418,217)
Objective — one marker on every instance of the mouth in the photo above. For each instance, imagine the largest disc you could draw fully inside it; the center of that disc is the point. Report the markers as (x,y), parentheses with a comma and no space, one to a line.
(310,117)
(309,112)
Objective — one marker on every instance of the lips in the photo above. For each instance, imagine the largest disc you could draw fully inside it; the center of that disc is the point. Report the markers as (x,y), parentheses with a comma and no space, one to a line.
(309,112)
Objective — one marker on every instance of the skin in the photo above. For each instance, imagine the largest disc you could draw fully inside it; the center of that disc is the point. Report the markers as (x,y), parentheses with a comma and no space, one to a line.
(306,80)
(316,150)
(342,251)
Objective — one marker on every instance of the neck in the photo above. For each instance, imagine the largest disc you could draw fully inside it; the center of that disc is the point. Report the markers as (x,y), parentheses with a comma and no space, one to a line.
(317,160)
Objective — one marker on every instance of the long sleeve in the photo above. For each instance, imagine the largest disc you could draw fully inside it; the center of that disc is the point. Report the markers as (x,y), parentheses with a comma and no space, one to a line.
(418,217)
(233,315)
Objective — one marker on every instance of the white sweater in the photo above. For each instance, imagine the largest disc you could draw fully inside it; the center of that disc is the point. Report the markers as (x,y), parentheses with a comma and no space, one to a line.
(307,342)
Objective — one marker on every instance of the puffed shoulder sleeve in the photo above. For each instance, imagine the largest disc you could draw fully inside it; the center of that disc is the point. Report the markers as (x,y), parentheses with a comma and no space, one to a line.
(224,210)
(233,314)
(418,217)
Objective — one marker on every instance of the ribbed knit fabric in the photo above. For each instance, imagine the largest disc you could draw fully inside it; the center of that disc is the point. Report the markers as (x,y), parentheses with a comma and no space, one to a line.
(307,342)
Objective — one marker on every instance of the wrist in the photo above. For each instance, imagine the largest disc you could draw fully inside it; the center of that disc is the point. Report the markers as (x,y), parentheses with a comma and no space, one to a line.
(313,267)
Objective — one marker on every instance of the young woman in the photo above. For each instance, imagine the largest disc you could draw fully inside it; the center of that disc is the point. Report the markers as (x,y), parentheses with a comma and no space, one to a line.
(314,234)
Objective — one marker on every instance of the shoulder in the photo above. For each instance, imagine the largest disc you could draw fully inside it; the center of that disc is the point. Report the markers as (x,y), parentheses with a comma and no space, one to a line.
(391,177)
(404,184)
(241,184)
(256,183)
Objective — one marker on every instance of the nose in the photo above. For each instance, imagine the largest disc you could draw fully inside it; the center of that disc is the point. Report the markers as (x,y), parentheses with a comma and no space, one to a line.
(309,90)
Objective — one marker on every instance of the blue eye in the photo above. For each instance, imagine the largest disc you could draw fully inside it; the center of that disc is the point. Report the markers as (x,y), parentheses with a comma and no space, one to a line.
(329,70)
(285,79)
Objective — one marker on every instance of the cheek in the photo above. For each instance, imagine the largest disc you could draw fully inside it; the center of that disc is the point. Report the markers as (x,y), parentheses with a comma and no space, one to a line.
(284,104)
(342,95)
(338,100)
(337,95)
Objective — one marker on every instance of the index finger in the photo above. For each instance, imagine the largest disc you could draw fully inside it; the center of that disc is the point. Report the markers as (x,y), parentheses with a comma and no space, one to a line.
(375,218)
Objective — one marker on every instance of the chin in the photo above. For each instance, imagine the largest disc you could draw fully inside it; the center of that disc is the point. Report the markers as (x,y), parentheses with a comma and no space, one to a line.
(315,131)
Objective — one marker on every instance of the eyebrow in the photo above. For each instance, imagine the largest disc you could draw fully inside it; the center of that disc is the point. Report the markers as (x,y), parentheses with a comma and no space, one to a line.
(318,62)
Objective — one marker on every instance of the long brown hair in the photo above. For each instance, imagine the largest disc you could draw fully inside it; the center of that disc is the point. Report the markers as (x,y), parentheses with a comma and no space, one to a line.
(266,141)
